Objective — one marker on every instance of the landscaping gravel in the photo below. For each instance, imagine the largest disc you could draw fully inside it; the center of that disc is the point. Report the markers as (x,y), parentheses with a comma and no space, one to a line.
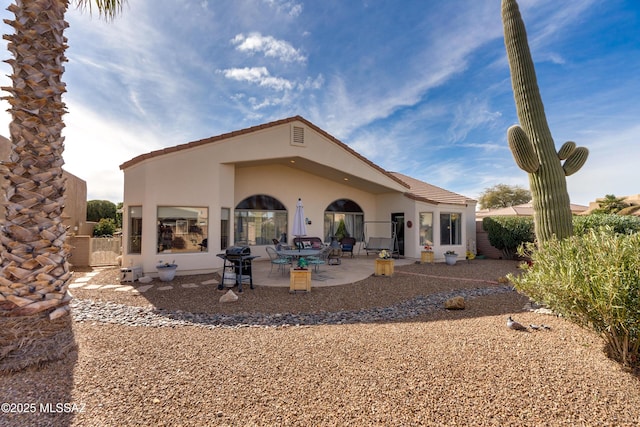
(383,351)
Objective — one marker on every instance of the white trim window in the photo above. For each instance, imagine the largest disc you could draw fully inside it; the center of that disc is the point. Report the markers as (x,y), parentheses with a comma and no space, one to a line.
(451,228)
(426,228)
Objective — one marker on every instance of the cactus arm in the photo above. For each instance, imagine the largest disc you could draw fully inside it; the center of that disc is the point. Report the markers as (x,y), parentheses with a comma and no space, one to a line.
(575,161)
(522,150)
(566,150)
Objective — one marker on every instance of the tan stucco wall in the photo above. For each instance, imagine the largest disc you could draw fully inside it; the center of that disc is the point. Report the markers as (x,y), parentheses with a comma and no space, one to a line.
(223,173)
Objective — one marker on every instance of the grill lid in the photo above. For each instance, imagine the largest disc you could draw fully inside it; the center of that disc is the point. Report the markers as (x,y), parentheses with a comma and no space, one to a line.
(238,250)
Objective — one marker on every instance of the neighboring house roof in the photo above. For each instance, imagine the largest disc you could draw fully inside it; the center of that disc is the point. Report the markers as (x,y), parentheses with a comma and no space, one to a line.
(631,200)
(522,210)
(425,192)
(233,134)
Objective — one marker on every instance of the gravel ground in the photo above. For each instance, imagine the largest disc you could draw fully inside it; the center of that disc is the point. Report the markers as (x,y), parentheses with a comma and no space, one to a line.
(436,367)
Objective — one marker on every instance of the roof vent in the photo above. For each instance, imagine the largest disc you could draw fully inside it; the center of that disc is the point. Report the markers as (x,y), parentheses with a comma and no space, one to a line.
(297,135)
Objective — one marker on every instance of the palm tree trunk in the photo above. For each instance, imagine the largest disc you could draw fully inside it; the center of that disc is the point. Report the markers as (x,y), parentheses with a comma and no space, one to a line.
(34,272)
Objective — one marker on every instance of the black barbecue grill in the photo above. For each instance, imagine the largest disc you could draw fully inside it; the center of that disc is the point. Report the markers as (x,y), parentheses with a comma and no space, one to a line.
(239,259)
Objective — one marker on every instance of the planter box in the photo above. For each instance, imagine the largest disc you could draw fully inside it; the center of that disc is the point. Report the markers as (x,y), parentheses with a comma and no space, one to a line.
(384,267)
(426,257)
(300,280)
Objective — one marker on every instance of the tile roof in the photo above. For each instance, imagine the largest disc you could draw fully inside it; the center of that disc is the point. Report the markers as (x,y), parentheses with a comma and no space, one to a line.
(422,191)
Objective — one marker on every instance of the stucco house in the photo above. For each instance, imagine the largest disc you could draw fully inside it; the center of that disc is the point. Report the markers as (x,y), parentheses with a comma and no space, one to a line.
(188,203)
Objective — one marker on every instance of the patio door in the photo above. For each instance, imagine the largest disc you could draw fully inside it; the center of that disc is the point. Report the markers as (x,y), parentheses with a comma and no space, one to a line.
(398,218)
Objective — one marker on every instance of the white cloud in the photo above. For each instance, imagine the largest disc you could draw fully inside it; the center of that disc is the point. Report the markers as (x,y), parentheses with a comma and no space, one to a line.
(471,114)
(269,46)
(290,8)
(259,76)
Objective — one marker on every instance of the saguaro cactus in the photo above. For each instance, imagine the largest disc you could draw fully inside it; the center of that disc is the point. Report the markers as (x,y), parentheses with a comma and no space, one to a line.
(531,143)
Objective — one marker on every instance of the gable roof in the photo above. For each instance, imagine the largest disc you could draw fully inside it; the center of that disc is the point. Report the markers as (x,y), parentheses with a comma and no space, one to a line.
(224,136)
(425,192)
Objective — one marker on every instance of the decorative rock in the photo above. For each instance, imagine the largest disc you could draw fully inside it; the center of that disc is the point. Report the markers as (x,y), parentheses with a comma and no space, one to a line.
(109,312)
(229,297)
(455,303)
(145,279)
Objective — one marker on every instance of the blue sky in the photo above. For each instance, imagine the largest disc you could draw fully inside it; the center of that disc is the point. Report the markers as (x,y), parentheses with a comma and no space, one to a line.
(418,87)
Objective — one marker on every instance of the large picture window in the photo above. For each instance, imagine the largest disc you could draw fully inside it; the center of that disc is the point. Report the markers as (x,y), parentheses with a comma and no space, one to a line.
(450,229)
(343,216)
(182,228)
(258,220)
(134,243)
(426,228)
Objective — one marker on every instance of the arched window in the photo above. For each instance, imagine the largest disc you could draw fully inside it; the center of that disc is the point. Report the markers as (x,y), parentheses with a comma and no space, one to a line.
(259,219)
(343,216)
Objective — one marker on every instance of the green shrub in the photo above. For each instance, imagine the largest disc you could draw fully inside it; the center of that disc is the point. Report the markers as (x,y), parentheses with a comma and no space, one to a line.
(593,280)
(104,227)
(508,233)
(622,224)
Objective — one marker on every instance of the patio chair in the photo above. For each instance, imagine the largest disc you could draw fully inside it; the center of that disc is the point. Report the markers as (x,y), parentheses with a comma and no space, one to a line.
(347,245)
(278,260)
(319,260)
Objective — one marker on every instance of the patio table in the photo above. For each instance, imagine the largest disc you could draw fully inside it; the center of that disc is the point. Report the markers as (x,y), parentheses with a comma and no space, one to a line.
(300,253)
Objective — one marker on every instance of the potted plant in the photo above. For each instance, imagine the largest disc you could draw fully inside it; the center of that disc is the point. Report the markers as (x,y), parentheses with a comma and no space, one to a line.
(166,271)
(426,255)
(450,257)
(302,264)
(384,264)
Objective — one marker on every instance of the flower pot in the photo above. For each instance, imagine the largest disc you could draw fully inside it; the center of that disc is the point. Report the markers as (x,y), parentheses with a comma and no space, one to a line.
(166,273)
(450,259)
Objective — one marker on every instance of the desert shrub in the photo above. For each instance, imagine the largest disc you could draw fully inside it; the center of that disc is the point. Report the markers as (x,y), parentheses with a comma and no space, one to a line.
(508,233)
(104,227)
(622,224)
(593,280)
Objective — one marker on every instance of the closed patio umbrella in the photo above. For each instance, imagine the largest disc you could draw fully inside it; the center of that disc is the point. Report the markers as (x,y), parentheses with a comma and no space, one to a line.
(299,223)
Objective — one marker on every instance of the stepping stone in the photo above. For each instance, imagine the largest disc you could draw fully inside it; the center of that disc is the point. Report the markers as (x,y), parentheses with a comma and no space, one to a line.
(92,287)
(75,285)
(108,286)
(189,285)
(124,288)
(82,280)
(164,288)
(210,282)
(144,288)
